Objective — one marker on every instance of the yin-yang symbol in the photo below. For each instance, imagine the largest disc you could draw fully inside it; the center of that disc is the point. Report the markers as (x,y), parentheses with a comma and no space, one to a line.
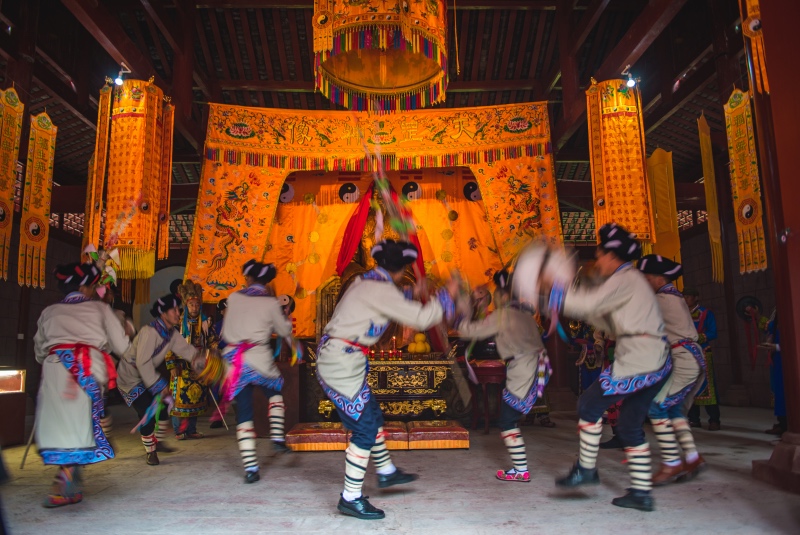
(349,193)
(287,193)
(748,211)
(287,303)
(471,191)
(34,228)
(411,191)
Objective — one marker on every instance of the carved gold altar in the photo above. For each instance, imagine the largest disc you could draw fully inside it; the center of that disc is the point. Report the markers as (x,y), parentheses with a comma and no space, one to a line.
(407,388)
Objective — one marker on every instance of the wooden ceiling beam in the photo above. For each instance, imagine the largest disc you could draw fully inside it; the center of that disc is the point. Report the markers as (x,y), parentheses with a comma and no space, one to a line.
(108,32)
(586,25)
(456,86)
(643,32)
(172,32)
(686,91)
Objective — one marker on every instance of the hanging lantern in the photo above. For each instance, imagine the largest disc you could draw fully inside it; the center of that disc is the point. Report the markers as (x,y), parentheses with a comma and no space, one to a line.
(138,159)
(616,150)
(381,56)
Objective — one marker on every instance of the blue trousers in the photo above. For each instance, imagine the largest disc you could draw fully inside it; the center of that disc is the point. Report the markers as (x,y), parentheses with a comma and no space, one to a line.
(244,402)
(184,425)
(509,417)
(365,429)
(592,404)
(776,382)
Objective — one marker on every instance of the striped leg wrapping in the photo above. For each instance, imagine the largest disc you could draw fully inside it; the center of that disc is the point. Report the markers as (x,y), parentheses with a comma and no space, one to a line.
(356,461)
(379,453)
(106,423)
(516,449)
(684,434)
(162,427)
(667,442)
(66,481)
(246,435)
(639,467)
(276,418)
(590,434)
(149,442)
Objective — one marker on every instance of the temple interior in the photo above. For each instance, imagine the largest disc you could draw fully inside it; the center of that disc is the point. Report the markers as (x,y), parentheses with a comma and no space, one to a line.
(169,142)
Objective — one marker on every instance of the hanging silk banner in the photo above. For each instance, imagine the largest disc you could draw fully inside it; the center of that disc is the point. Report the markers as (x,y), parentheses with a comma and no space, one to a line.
(93,216)
(10,132)
(139,178)
(35,227)
(712,208)
(751,28)
(665,210)
(616,150)
(249,152)
(745,185)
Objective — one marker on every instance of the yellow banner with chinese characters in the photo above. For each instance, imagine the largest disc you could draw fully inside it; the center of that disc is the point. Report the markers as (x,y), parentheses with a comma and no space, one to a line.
(665,209)
(616,149)
(250,151)
(712,206)
(10,131)
(138,178)
(745,184)
(35,227)
(95,185)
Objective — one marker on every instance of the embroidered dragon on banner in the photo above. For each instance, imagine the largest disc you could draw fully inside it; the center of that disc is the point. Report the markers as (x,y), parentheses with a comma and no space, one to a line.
(229,213)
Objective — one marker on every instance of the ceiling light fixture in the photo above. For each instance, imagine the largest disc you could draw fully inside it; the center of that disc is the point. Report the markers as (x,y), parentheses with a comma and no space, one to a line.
(627,72)
(123,70)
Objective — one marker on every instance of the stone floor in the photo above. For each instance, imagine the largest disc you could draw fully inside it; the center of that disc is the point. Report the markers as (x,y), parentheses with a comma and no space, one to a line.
(200,490)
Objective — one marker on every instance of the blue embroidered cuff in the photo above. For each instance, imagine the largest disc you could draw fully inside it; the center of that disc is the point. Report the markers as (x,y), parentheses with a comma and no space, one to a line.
(408,293)
(448,305)
(557,295)
(158,386)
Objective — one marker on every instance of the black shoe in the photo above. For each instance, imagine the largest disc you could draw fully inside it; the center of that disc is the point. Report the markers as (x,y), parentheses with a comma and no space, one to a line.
(216,424)
(280,446)
(695,424)
(152,458)
(360,508)
(251,477)
(163,448)
(636,499)
(579,476)
(613,443)
(398,477)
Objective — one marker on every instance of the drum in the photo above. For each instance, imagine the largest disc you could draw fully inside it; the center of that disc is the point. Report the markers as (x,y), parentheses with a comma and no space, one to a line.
(539,263)
(215,368)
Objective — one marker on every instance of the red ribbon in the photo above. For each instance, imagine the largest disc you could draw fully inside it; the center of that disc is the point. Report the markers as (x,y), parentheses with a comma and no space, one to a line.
(83,356)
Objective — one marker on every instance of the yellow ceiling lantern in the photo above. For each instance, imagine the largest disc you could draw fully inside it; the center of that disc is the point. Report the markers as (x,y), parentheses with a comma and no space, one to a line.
(381,55)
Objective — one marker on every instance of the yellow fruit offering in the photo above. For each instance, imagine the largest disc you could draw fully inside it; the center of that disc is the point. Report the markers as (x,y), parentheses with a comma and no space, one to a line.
(427,348)
(412,347)
(420,337)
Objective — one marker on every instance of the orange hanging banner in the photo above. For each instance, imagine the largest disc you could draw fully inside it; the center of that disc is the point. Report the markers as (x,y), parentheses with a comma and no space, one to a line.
(745,183)
(95,186)
(35,228)
(712,206)
(616,149)
(10,132)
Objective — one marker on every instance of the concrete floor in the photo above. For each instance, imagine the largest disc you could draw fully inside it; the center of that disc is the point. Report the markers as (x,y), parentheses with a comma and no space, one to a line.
(200,490)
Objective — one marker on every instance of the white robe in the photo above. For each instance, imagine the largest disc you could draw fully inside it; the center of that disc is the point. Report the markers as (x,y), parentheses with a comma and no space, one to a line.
(679,326)
(253,319)
(517,338)
(64,410)
(138,366)
(362,316)
(624,306)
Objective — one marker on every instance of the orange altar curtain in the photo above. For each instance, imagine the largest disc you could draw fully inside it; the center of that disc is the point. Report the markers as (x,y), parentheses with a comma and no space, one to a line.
(617,153)
(250,151)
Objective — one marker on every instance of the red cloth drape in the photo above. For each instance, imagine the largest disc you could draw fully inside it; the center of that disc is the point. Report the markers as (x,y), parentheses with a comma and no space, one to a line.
(353,232)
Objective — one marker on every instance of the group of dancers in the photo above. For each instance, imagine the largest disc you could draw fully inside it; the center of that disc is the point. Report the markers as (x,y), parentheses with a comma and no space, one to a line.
(656,370)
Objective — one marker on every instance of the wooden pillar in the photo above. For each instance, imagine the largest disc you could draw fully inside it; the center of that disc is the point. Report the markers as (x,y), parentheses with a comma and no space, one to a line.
(727,65)
(777,117)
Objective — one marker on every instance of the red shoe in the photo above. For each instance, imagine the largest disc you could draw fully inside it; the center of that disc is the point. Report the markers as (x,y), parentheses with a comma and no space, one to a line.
(194,435)
(513,475)
(57,500)
(694,468)
(669,474)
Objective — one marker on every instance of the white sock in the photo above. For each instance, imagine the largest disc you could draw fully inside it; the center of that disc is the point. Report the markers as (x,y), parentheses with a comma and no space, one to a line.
(692,456)
(672,463)
(386,469)
(349,495)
